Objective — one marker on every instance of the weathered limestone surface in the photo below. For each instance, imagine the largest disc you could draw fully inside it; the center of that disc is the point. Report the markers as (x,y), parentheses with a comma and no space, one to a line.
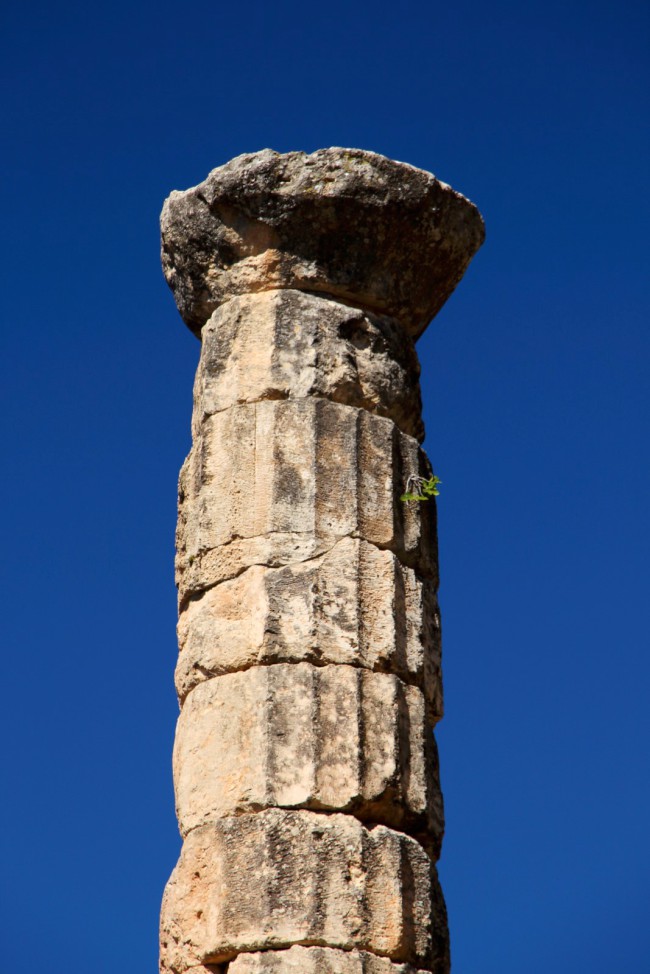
(306,467)
(309,671)
(353,224)
(290,345)
(357,604)
(325,738)
(316,960)
(277,878)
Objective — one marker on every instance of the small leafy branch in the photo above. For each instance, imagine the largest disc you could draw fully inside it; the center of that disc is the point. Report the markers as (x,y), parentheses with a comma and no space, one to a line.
(421,488)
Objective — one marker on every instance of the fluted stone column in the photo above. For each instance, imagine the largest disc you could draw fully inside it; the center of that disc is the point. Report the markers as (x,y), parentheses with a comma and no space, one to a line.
(305,765)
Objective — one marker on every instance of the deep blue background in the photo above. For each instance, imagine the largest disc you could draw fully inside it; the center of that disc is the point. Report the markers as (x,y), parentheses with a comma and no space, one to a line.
(536,400)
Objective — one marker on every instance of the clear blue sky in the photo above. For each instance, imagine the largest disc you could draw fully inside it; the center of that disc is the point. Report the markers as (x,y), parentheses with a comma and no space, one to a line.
(535,381)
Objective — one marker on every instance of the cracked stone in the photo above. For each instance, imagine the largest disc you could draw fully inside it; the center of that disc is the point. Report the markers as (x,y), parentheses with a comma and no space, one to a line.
(289,345)
(356,604)
(278,878)
(331,738)
(302,467)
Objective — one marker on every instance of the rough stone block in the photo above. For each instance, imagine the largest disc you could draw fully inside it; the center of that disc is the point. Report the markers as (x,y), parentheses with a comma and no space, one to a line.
(340,221)
(311,468)
(356,604)
(289,345)
(317,960)
(277,878)
(333,738)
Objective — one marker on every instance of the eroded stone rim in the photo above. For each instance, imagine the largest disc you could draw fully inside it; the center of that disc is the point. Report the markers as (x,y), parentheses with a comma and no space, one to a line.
(336,156)
(381,234)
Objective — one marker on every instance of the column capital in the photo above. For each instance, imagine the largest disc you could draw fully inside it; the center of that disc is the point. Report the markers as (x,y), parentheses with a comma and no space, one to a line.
(375,233)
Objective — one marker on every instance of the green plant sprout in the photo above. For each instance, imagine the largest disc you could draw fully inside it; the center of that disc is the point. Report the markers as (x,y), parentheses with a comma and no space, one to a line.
(421,488)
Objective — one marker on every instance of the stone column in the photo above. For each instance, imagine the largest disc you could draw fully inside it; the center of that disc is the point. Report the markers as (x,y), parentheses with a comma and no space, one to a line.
(305,765)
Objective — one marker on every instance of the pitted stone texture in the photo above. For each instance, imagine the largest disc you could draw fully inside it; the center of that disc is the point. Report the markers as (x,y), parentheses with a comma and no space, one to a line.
(278,878)
(350,223)
(289,345)
(333,738)
(305,467)
(356,604)
(317,960)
